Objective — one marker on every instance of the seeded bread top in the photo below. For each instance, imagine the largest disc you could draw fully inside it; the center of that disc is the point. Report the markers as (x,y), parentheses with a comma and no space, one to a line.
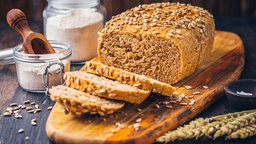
(168,20)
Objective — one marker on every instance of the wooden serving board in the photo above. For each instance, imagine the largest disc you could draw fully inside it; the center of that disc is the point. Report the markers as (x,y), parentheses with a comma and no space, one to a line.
(224,65)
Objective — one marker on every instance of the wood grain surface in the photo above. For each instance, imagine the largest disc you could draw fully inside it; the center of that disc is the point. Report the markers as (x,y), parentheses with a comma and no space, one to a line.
(225,65)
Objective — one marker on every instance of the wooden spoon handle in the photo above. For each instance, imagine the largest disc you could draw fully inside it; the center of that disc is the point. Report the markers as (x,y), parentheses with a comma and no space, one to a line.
(18,21)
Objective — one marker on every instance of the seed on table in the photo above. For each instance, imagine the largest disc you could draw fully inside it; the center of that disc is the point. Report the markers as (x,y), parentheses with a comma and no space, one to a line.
(20,130)
(9,109)
(138,109)
(37,106)
(205,87)
(168,106)
(196,93)
(29,108)
(33,120)
(33,123)
(18,116)
(188,87)
(31,111)
(138,120)
(16,108)
(23,107)
(13,104)
(49,108)
(183,103)
(27,138)
(7,114)
(16,111)
(26,102)
(33,103)
(37,110)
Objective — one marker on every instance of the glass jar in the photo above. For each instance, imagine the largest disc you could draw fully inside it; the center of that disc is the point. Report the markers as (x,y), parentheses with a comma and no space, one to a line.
(76,22)
(38,72)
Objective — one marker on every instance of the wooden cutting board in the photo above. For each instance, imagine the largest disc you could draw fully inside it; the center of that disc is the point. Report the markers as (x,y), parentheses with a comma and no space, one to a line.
(224,65)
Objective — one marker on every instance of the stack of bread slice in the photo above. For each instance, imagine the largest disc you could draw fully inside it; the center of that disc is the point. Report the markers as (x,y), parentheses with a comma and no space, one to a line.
(102,89)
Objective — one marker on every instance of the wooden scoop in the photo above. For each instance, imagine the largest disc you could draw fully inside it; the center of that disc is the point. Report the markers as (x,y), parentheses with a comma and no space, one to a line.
(33,43)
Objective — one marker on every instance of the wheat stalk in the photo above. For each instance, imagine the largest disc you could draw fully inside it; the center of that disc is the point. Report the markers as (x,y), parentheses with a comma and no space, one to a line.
(243,132)
(212,127)
(238,123)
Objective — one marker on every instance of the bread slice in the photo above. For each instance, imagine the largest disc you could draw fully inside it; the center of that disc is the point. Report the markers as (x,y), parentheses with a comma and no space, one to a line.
(78,102)
(136,80)
(104,87)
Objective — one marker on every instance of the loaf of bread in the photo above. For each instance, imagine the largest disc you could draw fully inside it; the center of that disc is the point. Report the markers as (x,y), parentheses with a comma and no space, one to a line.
(165,41)
(141,81)
(103,87)
(78,102)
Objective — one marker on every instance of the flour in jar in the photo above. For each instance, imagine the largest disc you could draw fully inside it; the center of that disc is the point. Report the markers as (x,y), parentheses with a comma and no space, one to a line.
(30,75)
(80,28)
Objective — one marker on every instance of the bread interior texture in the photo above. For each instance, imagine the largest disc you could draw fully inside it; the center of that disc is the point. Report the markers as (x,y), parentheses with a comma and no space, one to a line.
(148,55)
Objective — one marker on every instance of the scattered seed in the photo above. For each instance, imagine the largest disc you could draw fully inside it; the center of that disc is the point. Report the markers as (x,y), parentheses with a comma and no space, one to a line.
(138,120)
(31,111)
(16,111)
(190,96)
(26,138)
(26,102)
(138,109)
(136,126)
(37,110)
(7,114)
(205,87)
(50,107)
(23,107)
(33,123)
(168,106)
(18,116)
(157,106)
(33,103)
(37,106)
(183,103)
(192,102)
(20,130)
(29,108)
(33,120)
(196,93)
(13,104)
(16,108)
(188,87)
(172,101)
(9,109)
(120,125)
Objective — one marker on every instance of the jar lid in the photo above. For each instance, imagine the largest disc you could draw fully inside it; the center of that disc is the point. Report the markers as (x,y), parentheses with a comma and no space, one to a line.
(63,51)
(73,3)
(6,56)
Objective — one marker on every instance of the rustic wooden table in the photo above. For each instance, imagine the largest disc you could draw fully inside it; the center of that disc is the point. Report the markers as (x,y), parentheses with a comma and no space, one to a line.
(11,92)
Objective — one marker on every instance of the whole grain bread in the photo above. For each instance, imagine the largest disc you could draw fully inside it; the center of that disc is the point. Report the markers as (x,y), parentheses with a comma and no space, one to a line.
(166,41)
(77,102)
(104,87)
(141,81)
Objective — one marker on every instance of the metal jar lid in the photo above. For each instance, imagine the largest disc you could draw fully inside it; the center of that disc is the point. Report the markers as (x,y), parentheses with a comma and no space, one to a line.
(6,56)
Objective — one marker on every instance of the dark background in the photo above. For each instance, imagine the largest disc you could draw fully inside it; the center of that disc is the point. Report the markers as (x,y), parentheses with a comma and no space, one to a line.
(219,8)
(238,16)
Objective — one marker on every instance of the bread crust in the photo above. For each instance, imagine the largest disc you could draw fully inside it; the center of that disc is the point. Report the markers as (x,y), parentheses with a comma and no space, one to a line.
(104,87)
(132,79)
(78,103)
